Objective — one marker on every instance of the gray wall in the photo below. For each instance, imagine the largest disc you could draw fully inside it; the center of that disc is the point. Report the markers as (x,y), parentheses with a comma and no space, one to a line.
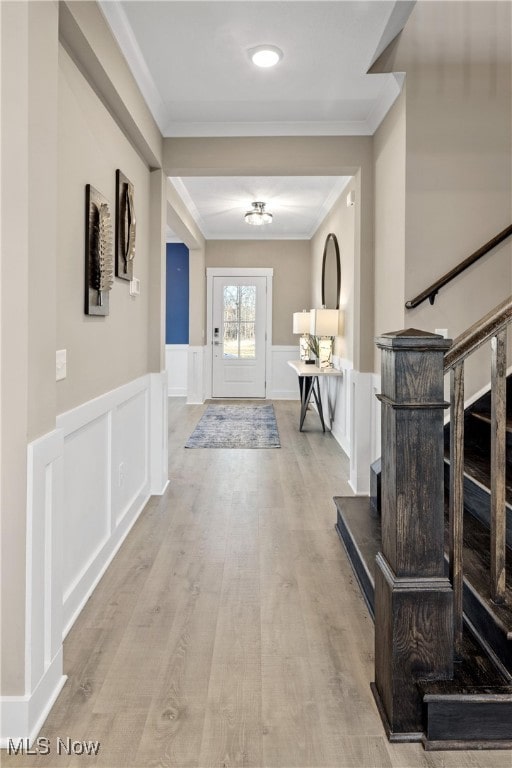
(458,151)
(102,352)
(341,220)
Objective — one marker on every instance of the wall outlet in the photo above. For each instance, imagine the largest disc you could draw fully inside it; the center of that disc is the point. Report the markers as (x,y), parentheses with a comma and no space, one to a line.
(61,369)
(442,332)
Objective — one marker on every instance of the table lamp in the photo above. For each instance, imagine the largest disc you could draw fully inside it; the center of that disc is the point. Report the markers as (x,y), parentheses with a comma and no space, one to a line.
(301,321)
(324,324)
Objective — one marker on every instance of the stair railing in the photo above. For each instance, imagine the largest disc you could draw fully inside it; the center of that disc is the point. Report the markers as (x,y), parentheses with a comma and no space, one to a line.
(431,292)
(494,327)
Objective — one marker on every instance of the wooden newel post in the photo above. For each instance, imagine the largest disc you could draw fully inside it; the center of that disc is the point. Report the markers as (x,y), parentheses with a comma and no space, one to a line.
(413,597)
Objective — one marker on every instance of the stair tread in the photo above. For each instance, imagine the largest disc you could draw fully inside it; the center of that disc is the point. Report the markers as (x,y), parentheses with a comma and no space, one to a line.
(365,527)
(486,416)
(476,558)
(474,675)
(478,466)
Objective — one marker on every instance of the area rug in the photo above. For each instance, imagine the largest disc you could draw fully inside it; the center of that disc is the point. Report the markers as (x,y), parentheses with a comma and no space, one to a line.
(236,426)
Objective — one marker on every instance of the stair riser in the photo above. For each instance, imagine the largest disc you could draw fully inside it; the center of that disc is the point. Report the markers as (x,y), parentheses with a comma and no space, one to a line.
(460,719)
(366,581)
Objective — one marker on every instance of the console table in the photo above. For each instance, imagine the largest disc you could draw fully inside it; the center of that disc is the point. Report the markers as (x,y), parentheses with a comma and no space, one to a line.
(309,384)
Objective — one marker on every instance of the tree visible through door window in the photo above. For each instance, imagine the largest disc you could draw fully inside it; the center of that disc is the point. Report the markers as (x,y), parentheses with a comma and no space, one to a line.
(239,321)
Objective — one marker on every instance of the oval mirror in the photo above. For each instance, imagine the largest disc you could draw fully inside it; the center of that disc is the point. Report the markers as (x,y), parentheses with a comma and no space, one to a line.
(331,273)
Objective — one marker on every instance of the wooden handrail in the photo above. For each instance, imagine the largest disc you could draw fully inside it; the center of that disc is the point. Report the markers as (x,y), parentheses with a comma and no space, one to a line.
(479,333)
(431,292)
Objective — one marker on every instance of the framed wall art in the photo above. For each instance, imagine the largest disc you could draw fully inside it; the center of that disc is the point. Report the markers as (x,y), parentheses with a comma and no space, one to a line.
(125,227)
(99,272)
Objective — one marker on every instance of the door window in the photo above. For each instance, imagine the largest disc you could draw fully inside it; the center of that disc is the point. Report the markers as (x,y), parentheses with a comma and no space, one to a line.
(239,322)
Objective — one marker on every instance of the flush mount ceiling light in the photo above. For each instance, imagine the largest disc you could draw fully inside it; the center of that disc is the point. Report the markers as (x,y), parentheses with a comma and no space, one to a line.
(266,55)
(258,215)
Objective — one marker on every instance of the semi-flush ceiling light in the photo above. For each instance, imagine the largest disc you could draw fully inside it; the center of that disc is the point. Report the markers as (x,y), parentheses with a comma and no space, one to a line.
(266,55)
(258,215)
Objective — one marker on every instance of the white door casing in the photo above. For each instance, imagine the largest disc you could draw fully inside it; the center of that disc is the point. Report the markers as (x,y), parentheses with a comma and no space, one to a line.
(239,338)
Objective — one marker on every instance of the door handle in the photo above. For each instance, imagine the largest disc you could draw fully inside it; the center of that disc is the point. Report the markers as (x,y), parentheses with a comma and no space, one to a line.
(216,343)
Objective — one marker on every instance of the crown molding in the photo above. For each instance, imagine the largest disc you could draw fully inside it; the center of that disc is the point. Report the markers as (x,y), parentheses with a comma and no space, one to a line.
(123,34)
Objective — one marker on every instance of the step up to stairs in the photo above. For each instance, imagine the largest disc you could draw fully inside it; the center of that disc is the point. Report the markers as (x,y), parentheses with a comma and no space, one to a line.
(476,706)
(358,527)
(474,710)
(468,718)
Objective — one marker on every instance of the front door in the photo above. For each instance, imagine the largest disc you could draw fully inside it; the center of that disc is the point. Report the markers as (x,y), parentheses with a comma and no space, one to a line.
(239,336)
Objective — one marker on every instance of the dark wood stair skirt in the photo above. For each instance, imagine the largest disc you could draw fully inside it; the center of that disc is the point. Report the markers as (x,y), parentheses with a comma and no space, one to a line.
(474,710)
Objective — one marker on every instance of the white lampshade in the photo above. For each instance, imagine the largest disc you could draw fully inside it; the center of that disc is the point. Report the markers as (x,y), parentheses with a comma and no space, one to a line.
(301,322)
(324,322)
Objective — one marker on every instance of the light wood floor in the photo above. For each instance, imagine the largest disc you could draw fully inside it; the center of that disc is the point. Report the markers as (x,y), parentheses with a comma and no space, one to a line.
(229,630)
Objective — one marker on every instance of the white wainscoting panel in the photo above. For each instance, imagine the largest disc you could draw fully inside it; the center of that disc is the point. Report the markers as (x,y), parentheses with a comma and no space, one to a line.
(22,716)
(376,419)
(361,431)
(176,364)
(196,375)
(106,482)
(336,403)
(130,456)
(87,499)
(87,482)
(282,381)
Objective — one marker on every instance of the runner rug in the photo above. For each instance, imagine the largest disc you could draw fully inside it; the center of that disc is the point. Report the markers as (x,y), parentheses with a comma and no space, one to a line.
(236,426)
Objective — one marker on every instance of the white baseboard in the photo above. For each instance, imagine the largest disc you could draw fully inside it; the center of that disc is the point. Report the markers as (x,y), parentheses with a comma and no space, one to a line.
(21,717)
(283,394)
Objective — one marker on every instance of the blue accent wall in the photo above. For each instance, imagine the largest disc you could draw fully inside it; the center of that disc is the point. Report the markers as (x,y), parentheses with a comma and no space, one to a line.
(176,309)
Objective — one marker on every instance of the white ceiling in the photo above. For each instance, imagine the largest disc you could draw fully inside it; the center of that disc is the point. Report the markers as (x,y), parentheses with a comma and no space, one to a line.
(298,204)
(190,60)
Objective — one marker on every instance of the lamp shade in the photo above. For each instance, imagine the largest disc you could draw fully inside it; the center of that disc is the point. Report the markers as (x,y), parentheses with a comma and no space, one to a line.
(301,322)
(324,322)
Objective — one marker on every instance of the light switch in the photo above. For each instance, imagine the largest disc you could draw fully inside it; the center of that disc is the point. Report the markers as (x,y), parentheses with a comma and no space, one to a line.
(60,364)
